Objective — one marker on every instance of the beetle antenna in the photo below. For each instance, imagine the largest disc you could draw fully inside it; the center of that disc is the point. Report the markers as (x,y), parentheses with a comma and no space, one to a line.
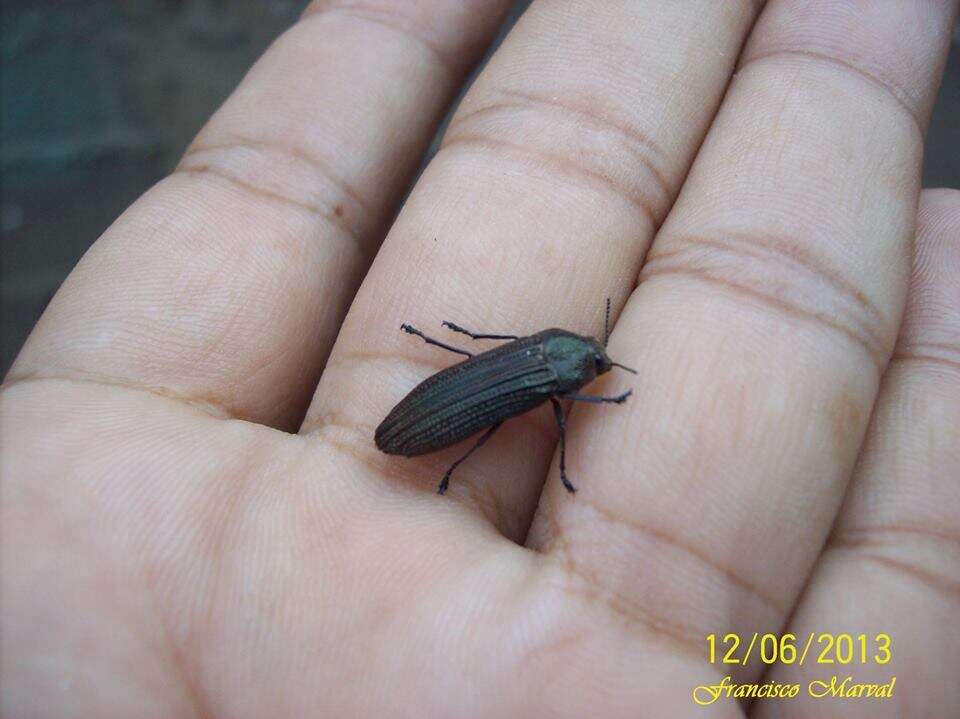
(606,324)
(617,364)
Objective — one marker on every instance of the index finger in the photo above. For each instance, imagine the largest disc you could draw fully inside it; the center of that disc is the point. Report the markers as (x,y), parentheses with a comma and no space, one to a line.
(225,284)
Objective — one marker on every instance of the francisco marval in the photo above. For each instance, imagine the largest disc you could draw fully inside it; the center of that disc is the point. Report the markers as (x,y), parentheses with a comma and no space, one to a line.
(818,689)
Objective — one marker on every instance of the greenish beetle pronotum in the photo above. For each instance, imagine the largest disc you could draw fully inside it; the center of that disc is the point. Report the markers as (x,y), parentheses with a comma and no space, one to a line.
(486,389)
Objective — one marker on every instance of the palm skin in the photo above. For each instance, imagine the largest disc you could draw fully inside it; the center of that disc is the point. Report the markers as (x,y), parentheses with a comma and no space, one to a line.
(230,585)
(172,548)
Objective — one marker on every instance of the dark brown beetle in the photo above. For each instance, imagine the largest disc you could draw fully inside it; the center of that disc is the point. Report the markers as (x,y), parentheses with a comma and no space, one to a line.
(486,389)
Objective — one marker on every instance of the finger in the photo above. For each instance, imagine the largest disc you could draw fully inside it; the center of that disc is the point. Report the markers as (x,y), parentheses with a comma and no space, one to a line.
(551,179)
(226,283)
(767,309)
(893,563)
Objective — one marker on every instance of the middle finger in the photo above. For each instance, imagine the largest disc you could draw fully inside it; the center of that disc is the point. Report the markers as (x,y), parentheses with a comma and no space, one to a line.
(552,179)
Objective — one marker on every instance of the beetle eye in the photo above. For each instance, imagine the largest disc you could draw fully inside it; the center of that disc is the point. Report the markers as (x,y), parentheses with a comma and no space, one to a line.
(601,362)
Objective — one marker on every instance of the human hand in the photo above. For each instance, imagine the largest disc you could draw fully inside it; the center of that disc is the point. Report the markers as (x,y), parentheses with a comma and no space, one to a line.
(170,548)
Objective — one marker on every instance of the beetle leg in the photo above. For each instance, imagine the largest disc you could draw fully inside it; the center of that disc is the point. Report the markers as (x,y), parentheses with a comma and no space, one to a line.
(411,330)
(445,482)
(562,423)
(474,335)
(596,399)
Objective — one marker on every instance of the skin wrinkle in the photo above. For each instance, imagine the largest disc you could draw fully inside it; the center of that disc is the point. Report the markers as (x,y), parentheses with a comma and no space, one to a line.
(643,149)
(884,536)
(319,167)
(558,163)
(195,696)
(930,352)
(848,426)
(873,347)
(874,535)
(399,23)
(690,548)
(887,86)
(206,404)
(931,359)
(687,638)
(939,583)
(201,170)
(950,347)
(588,586)
(556,648)
(760,248)
(352,358)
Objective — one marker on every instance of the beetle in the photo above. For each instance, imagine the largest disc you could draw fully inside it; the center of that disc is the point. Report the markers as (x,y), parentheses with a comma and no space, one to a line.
(486,389)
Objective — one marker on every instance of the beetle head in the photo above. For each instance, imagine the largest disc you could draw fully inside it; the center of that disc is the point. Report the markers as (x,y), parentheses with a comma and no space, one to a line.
(603,363)
(577,360)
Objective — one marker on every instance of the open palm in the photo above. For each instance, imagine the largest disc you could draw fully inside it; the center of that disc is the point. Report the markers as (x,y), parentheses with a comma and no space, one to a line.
(196,521)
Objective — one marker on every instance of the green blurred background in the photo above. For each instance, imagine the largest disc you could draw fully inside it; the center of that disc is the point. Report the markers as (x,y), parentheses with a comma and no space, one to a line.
(99,99)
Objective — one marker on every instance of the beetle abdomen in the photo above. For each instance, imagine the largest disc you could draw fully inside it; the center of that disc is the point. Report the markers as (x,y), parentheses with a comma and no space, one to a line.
(463,399)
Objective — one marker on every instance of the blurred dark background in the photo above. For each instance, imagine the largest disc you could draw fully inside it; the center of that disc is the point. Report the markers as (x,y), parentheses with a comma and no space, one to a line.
(98,98)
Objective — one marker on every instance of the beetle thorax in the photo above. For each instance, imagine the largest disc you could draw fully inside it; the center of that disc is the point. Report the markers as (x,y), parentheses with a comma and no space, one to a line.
(573,358)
